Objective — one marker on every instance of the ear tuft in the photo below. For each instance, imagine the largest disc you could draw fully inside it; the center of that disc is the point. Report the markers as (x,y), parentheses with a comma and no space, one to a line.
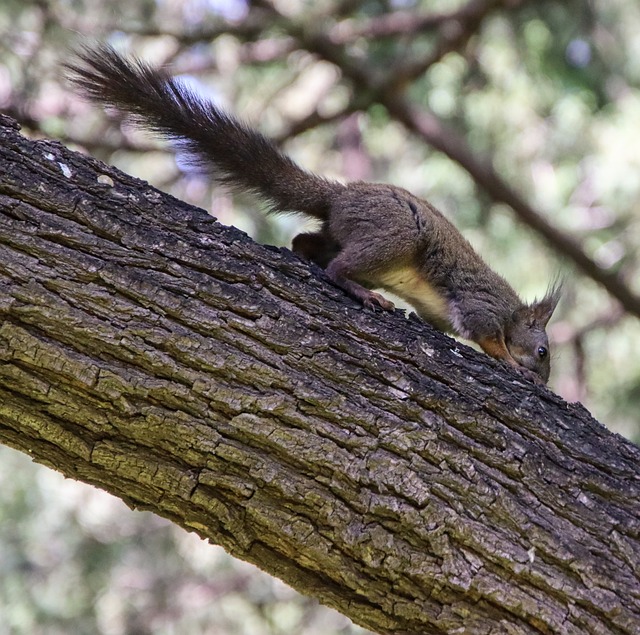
(542,310)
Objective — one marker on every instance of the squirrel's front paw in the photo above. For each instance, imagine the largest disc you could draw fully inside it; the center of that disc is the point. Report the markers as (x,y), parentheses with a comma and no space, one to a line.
(530,375)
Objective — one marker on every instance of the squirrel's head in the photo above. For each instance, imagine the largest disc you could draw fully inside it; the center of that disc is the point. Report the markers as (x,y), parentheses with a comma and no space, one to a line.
(526,336)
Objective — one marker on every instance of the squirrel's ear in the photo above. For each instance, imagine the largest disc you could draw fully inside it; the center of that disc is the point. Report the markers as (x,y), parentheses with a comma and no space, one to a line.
(542,310)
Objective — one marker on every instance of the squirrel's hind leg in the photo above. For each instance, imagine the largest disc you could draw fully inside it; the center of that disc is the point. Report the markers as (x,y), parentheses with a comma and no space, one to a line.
(318,247)
(343,271)
(325,252)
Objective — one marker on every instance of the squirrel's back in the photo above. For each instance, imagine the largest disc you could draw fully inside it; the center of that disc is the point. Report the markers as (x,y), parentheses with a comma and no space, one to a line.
(237,154)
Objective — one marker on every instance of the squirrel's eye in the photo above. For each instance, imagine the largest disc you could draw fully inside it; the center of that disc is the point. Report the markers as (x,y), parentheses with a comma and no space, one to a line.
(542,352)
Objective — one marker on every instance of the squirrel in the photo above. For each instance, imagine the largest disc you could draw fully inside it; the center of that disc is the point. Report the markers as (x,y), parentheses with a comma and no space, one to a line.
(372,236)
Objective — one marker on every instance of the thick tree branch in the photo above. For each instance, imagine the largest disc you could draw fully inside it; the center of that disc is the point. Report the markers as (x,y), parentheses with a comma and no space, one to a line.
(408,481)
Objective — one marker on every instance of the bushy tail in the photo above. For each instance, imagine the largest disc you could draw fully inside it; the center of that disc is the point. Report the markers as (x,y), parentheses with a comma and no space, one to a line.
(238,155)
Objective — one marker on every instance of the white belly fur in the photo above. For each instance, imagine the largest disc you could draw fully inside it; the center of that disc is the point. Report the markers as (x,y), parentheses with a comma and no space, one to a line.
(407,284)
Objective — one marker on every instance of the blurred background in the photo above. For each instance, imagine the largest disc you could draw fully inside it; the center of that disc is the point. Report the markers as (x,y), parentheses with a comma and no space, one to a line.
(451,100)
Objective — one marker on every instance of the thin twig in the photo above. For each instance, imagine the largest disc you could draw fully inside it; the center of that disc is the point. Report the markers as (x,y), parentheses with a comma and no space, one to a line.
(454,35)
(400,23)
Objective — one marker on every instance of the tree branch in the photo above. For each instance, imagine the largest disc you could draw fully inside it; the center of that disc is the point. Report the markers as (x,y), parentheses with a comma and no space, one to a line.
(456,30)
(410,482)
(402,23)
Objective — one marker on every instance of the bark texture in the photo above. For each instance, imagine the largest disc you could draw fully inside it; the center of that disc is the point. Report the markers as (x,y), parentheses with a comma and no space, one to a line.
(397,475)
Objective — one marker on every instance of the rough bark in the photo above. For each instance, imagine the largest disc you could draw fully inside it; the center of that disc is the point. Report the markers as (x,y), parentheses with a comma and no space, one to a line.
(395,474)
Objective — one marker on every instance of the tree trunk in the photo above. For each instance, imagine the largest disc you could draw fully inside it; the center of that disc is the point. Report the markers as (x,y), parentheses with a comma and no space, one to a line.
(397,475)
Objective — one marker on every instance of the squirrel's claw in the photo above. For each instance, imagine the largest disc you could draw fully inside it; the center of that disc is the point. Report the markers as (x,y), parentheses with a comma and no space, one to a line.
(530,375)
(375,301)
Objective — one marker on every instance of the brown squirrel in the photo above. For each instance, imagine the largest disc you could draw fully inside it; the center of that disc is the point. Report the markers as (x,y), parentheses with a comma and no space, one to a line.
(372,235)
